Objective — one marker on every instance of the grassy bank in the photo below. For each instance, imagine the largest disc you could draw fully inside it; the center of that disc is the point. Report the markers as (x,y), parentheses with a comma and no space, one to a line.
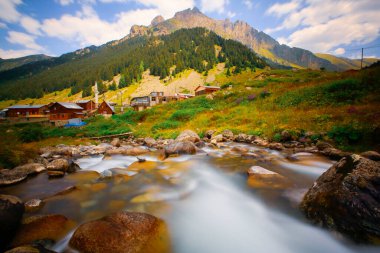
(340,107)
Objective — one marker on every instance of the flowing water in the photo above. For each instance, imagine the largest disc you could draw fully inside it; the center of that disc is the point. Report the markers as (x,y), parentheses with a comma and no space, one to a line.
(206,199)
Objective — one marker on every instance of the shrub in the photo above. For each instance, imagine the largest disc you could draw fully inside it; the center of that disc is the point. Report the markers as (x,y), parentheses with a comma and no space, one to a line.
(31,133)
(166,125)
(345,134)
(264,94)
(184,114)
(277,137)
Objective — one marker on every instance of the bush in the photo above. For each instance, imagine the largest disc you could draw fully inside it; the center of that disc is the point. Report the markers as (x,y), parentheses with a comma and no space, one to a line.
(184,114)
(31,133)
(166,125)
(345,134)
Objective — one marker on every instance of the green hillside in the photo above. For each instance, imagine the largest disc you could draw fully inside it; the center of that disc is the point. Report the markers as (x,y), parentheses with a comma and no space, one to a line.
(346,63)
(184,49)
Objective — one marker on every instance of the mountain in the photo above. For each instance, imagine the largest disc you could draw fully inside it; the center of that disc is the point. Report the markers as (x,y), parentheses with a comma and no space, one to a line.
(264,45)
(345,63)
(165,56)
(7,64)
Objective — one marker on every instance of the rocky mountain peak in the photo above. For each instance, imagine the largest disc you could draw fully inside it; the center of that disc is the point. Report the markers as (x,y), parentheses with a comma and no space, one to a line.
(157,20)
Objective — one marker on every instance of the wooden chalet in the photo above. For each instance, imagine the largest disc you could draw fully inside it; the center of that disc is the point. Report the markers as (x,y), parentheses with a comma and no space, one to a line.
(202,90)
(36,111)
(106,108)
(62,112)
(87,105)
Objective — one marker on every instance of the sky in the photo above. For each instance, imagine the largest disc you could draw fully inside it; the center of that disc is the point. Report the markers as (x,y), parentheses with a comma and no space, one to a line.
(55,27)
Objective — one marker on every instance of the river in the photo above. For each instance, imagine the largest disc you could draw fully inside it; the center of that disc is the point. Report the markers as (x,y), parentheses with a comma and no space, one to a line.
(206,199)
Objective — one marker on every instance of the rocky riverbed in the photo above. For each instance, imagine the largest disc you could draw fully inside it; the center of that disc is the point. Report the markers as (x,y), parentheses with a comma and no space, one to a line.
(150,195)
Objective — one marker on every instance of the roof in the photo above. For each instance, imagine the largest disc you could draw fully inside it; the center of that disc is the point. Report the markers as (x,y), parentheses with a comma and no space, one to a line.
(70,105)
(186,95)
(83,101)
(110,106)
(25,106)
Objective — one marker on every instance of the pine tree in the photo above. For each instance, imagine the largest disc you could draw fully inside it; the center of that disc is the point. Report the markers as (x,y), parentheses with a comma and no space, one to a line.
(113,86)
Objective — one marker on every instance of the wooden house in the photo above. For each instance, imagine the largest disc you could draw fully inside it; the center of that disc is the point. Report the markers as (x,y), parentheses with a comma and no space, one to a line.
(87,105)
(106,108)
(202,90)
(144,102)
(183,96)
(62,112)
(33,111)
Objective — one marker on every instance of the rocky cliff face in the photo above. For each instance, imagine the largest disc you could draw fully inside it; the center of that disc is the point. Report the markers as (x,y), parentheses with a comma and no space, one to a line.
(261,43)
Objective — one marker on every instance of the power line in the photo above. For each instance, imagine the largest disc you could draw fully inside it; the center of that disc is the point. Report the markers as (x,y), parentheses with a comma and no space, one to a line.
(360,48)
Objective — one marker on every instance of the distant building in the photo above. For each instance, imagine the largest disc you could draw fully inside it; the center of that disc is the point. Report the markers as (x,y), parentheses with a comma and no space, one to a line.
(144,102)
(26,113)
(183,96)
(106,109)
(202,90)
(61,113)
(87,105)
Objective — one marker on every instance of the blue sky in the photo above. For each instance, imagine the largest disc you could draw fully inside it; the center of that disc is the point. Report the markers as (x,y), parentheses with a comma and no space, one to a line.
(54,27)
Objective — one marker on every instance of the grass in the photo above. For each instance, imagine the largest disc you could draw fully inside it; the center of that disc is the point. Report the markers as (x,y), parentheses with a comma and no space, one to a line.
(339,107)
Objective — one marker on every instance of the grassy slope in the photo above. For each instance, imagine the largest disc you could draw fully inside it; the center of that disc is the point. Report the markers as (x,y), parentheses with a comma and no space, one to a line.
(339,106)
(344,63)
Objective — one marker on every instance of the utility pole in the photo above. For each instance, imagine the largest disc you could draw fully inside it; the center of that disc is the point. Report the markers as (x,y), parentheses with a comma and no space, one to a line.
(361,62)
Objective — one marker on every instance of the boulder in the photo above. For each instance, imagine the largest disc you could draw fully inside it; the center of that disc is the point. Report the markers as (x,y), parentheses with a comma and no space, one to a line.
(11,211)
(346,198)
(209,134)
(260,142)
(188,135)
(200,144)
(241,138)
(73,167)
(149,142)
(46,227)
(30,249)
(58,165)
(286,136)
(217,138)
(334,153)
(240,149)
(127,232)
(136,151)
(20,173)
(33,205)
(372,155)
(259,177)
(55,173)
(177,148)
(323,145)
(228,134)
(276,146)
(115,142)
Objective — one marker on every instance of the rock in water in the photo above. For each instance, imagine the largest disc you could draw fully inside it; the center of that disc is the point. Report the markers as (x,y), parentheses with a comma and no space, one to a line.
(261,178)
(347,198)
(11,211)
(373,155)
(177,148)
(127,232)
(188,135)
(20,173)
(116,142)
(46,227)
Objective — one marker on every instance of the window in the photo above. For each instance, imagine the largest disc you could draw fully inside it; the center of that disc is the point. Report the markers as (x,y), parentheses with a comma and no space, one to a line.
(153,99)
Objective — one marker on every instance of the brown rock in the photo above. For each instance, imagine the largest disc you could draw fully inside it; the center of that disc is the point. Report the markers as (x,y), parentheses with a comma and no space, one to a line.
(11,211)
(20,173)
(58,165)
(240,149)
(188,135)
(115,142)
(228,134)
(136,151)
(346,198)
(149,142)
(177,148)
(209,134)
(52,227)
(259,177)
(126,232)
(33,205)
(372,155)
(276,146)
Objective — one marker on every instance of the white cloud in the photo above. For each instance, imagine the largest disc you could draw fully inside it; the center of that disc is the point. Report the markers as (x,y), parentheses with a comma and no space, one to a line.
(321,25)
(9,54)
(26,40)
(339,51)
(280,9)
(3,25)
(218,6)
(8,10)
(65,2)
(31,25)
(248,4)
(231,14)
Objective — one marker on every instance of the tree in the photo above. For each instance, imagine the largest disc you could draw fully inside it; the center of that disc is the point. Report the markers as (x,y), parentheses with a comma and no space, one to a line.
(102,88)
(113,86)
(228,72)
(122,82)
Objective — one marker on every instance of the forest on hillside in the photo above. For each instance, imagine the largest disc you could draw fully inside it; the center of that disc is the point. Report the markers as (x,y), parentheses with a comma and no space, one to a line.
(185,48)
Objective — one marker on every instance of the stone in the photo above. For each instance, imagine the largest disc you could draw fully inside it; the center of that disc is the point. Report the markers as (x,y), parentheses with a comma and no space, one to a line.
(30,249)
(228,134)
(126,232)
(115,142)
(18,174)
(346,198)
(217,138)
(55,173)
(33,205)
(323,145)
(188,135)
(136,151)
(150,142)
(11,211)
(241,138)
(261,178)
(209,134)
(372,155)
(276,146)
(261,142)
(200,144)
(73,167)
(42,227)
(286,136)
(177,148)
(240,149)
(58,165)
(334,153)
